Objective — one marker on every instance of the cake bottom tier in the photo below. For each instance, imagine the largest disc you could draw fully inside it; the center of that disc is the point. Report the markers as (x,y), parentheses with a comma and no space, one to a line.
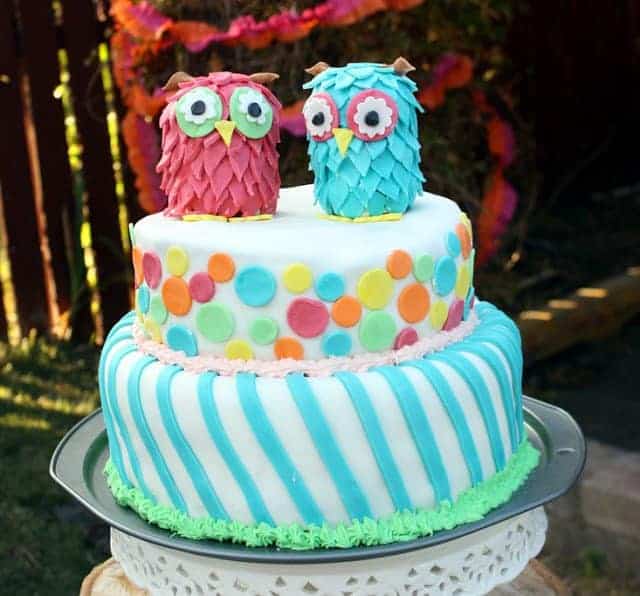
(386,455)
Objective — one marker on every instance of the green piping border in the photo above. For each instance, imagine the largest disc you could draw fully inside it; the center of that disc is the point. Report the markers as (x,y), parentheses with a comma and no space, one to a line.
(472,505)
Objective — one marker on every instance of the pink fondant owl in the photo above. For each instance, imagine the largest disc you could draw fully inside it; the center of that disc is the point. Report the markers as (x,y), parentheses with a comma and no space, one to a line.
(219,136)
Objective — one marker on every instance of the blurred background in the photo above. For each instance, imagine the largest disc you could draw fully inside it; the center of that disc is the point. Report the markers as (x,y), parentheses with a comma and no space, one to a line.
(531,124)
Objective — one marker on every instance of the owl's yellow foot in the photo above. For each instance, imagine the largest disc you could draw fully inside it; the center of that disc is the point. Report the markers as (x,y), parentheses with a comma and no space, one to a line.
(209,217)
(364,218)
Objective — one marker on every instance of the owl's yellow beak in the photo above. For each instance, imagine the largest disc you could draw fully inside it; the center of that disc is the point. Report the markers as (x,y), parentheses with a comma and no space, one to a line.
(343,139)
(225,129)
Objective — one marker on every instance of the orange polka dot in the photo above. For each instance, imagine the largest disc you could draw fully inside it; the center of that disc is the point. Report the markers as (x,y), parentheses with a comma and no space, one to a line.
(465,239)
(346,311)
(288,347)
(138,275)
(176,296)
(413,303)
(221,267)
(399,264)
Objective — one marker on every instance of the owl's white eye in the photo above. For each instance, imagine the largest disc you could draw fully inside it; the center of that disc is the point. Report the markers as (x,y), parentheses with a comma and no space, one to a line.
(198,110)
(251,112)
(320,116)
(254,106)
(372,115)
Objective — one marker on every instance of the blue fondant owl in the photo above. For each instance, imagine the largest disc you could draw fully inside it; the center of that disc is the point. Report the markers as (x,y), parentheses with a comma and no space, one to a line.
(363,138)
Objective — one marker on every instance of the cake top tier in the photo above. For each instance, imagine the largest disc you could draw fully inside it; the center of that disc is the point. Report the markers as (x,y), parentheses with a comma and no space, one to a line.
(301,286)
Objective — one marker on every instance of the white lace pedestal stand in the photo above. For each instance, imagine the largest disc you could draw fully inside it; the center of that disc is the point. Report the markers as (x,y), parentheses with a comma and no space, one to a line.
(473,564)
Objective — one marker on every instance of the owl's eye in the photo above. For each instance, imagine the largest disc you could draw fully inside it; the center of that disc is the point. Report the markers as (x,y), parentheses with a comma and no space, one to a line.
(320,116)
(372,115)
(197,111)
(251,112)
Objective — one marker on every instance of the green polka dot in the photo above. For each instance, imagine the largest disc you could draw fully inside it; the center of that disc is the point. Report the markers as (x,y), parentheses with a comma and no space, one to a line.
(215,322)
(423,268)
(263,331)
(157,310)
(377,331)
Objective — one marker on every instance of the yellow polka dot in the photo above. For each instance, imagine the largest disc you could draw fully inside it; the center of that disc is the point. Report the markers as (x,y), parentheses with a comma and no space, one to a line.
(464,218)
(177,261)
(375,288)
(152,329)
(297,278)
(438,315)
(462,282)
(238,349)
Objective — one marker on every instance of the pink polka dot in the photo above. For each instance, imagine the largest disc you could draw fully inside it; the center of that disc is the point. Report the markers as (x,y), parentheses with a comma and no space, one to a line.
(202,287)
(407,337)
(152,269)
(307,317)
(456,311)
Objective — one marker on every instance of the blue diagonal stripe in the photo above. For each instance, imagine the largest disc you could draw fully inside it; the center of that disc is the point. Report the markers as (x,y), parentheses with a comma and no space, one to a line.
(274,450)
(192,464)
(221,440)
(377,439)
(126,321)
(352,496)
(458,419)
(421,431)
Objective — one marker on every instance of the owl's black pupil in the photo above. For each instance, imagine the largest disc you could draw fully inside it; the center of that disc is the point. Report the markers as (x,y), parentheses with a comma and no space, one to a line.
(372,118)
(318,119)
(198,108)
(254,109)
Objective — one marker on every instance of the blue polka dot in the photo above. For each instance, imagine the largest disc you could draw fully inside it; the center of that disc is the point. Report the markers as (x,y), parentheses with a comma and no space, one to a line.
(143,298)
(336,343)
(444,279)
(255,286)
(330,287)
(453,244)
(182,339)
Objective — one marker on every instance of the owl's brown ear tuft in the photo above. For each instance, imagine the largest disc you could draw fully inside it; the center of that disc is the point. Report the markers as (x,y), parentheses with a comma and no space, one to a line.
(264,78)
(173,84)
(401,66)
(317,68)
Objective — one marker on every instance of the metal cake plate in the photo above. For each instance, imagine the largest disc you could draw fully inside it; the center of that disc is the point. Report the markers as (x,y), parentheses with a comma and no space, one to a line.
(80,457)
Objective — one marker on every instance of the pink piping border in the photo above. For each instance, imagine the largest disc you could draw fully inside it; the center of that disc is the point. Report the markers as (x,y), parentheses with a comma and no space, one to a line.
(313,368)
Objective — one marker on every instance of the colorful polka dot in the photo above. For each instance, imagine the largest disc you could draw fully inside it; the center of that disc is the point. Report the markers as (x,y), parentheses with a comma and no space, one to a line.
(238,349)
(413,303)
(346,311)
(445,275)
(399,264)
(255,285)
(157,310)
(288,347)
(152,330)
(307,317)
(463,282)
(221,267)
(263,330)
(152,269)
(465,239)
(143,297)
(407,337)
(456,310)
(215,321)
(453,244)
(375,288)
(438,314)
(182,339)
(177,261)
(176,297)
(297,278)
(330,287)
(377,331)
(336,343)
(468,303)
(466,222)
(138,274)
(423,268)
(202,287)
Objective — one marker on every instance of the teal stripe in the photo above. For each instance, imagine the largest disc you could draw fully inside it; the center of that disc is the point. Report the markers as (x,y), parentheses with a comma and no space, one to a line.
(192,464)
(478,388)
(377,439)
(126,321)
(421,431)
(457,416)
(351,495)
(135,405)
(274,450)
(221,440)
